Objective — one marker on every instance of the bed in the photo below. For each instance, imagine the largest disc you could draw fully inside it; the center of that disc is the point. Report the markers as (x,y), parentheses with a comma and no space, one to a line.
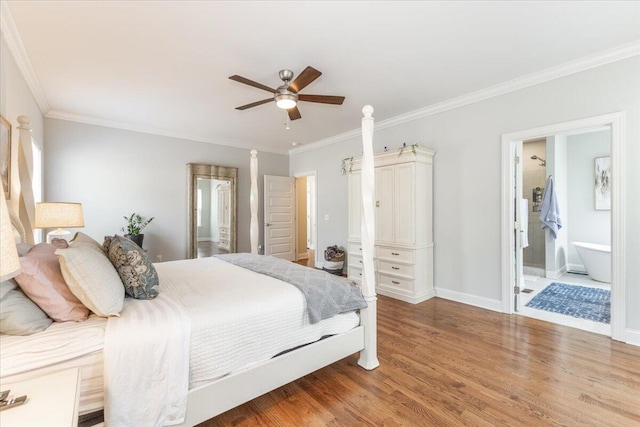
(242,334)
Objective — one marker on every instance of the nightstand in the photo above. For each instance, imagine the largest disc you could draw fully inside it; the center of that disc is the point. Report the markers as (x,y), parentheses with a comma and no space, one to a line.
(52,401)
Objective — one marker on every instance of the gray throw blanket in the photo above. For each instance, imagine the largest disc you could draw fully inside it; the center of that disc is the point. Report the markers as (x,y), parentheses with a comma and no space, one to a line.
(326,294)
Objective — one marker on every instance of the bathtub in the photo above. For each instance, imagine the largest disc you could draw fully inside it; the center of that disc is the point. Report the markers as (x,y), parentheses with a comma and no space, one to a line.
(596,260)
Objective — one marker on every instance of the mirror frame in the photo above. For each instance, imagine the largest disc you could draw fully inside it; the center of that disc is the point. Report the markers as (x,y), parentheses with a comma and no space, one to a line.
(195,171)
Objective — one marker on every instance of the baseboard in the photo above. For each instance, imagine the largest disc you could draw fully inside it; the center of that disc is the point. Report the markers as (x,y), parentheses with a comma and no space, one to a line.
(413,299)
(482,302)
(633,337)
(556,274)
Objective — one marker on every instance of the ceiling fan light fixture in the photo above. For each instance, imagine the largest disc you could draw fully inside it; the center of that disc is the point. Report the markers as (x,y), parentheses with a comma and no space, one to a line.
(286,101)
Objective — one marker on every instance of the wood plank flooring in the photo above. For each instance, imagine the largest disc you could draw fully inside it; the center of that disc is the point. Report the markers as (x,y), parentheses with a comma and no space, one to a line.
(448,364)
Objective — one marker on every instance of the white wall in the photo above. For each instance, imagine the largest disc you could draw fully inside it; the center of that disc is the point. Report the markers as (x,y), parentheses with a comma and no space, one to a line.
(16,100)
(586,224)
(467,172)
(114,172)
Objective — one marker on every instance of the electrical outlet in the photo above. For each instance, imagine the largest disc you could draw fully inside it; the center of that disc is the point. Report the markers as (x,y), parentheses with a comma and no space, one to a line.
(159,258)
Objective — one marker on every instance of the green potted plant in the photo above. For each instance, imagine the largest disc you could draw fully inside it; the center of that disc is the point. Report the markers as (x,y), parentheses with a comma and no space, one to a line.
(135,224)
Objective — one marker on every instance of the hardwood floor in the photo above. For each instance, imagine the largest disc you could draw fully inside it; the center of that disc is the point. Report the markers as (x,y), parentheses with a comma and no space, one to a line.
(447,364)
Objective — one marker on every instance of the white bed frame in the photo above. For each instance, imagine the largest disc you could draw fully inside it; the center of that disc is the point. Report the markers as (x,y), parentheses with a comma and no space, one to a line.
(207,401)
(214,398)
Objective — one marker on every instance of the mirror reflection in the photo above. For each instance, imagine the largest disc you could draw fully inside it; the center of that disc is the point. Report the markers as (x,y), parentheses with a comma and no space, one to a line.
(212,208)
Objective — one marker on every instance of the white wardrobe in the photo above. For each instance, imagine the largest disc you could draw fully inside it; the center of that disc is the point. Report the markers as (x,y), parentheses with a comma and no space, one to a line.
(403,223)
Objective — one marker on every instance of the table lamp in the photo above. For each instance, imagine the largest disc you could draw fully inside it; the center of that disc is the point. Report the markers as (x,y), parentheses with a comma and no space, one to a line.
(9,265)
(59,215)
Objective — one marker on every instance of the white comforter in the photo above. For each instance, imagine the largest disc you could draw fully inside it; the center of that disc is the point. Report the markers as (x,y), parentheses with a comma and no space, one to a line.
(238,319)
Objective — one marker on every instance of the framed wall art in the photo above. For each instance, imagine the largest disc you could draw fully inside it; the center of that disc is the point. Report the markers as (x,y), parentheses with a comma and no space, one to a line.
(5,155)
(603,183)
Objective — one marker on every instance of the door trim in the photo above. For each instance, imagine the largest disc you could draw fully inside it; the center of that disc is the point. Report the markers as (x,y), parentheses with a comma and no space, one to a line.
(616,122)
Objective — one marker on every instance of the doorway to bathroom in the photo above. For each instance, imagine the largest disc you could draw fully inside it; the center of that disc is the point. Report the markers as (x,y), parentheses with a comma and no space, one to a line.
(565,190)
(554,176)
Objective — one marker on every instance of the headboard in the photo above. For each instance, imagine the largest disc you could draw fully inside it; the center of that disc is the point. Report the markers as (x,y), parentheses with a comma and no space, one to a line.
(19,233)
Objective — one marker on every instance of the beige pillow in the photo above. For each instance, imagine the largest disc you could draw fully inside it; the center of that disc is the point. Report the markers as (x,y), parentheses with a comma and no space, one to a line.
(82,239)
(41,280)
(92,278)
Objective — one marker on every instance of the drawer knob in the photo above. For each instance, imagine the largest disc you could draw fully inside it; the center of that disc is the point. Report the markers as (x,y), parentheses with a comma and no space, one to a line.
(360,274)
(360,262)
(395,283)
(394,253)
(396,268)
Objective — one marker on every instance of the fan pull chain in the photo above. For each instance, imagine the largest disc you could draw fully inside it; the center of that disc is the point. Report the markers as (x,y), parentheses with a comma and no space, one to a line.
(286,123)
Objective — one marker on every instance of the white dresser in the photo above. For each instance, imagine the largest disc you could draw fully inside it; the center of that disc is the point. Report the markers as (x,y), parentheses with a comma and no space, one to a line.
(404,224)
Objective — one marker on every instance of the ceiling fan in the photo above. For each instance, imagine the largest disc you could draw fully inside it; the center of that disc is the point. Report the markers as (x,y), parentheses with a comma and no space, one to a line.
(286,96)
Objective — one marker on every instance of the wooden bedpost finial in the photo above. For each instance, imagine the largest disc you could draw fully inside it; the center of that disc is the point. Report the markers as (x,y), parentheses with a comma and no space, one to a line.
(254,153)
(24,121)
(367,110)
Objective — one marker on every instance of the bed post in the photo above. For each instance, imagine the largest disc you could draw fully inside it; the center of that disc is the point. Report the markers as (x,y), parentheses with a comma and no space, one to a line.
(26,202)
(369,355)
(254,231)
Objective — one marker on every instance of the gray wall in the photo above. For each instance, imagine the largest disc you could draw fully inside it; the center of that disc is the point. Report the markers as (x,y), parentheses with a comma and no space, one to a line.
(467,172)
(115,172)
(585,223)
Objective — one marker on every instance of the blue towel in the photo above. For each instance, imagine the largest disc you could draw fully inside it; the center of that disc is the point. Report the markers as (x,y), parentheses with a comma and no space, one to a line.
(549,213)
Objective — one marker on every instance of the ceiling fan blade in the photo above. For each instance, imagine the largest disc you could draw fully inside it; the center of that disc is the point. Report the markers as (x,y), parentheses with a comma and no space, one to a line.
(254,104)
(294,113)
(241,79)
(305,78)
(323,99)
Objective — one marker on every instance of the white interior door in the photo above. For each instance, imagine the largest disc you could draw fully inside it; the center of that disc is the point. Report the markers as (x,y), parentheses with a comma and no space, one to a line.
(279,223)
(518,226)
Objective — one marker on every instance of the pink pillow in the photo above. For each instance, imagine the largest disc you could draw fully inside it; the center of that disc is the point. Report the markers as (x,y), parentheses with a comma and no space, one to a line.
(42,281)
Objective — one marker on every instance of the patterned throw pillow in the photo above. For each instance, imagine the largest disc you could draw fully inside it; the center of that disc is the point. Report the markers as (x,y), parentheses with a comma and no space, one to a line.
(134,267)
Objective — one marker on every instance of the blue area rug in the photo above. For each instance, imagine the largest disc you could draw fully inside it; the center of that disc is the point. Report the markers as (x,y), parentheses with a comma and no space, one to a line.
(577,301)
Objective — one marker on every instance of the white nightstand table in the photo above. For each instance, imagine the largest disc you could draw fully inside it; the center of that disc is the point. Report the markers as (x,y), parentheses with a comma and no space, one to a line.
(52,401)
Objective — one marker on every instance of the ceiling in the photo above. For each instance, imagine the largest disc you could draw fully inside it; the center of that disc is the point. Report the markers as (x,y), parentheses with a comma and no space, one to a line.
(163,66)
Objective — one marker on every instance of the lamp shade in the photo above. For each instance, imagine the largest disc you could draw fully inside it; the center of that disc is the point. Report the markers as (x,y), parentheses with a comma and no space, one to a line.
(59,215)
(9,263)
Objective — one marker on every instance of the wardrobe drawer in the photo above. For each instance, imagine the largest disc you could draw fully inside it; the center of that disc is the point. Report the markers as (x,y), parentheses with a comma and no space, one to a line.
(395,282)
(355,248)
(355,260)
(354,273)
(396,254)
(395,268)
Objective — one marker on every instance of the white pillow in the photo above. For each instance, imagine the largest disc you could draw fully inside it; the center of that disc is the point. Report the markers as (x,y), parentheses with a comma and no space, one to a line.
(92,278)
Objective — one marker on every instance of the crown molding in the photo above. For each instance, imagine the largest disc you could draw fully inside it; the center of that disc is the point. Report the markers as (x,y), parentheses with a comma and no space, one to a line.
(12,37)
(592,61)
(70,117)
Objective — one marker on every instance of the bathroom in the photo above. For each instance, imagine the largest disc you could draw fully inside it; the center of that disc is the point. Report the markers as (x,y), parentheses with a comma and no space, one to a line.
(554,266)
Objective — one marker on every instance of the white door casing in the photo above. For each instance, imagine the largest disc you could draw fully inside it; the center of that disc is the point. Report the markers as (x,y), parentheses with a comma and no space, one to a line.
(616,122)
(279,219)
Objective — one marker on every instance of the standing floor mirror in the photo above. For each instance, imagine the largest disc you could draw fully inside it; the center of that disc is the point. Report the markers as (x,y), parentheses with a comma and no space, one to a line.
(212,225)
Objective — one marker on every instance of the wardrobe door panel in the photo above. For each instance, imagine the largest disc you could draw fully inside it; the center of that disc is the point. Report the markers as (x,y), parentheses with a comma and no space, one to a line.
(384,208)
(405,204)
